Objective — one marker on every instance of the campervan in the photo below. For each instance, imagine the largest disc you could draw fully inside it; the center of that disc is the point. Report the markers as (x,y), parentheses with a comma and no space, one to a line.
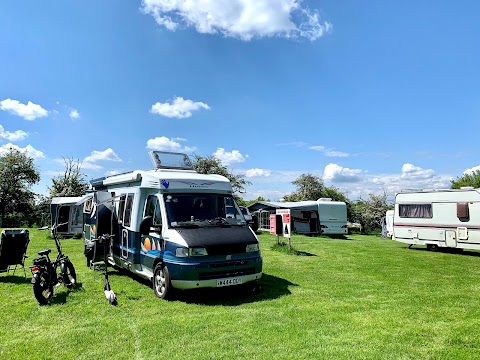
(173,226)
(438,218)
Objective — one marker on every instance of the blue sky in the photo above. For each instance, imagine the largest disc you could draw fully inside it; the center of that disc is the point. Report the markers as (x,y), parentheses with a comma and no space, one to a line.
(372,96)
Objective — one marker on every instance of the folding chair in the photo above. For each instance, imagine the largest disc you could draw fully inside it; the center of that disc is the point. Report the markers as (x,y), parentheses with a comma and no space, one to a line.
(13,249)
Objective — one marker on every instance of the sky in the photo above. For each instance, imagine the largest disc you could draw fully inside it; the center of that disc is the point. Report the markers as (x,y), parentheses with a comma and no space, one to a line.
(371,96)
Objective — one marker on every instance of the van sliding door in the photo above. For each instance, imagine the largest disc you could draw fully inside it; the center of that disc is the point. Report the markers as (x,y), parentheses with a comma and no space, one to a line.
(124,220)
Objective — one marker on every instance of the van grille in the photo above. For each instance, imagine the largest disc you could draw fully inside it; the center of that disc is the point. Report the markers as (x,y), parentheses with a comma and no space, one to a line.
(226,273)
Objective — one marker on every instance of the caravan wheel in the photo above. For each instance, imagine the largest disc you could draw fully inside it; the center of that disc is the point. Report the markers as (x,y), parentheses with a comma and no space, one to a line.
(432,247)
(161,282)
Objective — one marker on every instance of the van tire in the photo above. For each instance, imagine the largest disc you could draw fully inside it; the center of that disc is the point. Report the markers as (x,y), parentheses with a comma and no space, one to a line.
(162,287)
(432,247)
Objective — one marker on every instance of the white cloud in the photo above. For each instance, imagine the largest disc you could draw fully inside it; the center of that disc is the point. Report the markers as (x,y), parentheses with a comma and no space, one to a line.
(329,152)
(471,170)
(163,143)
(332,153)
(257,173)
(91,166)
(74,114)
(179,108)
(337,173)
(414,172)
(30,111)
(228,158)
(105,155)
(241,19)
(29,150)
(12,136)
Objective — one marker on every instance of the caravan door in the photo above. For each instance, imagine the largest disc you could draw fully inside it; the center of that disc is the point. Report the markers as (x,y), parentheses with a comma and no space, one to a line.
(451,238)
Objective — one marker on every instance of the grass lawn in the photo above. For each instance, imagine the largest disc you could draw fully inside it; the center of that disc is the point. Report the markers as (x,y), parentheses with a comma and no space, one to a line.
(363,297)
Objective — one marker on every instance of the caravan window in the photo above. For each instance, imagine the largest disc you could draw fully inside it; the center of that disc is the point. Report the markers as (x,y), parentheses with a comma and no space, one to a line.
(152,208)
(128,210)
(415,211)
(462,212)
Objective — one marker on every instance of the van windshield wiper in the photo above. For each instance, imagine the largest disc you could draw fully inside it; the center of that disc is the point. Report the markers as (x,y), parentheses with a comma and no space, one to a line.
(185,224)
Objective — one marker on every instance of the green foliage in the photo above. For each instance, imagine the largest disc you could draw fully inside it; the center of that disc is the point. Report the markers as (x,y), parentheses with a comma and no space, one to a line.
(71,183)
(309,187)
(470,179)
(213,165)
(250,202)
(41,211)
(17,174)
(369,212)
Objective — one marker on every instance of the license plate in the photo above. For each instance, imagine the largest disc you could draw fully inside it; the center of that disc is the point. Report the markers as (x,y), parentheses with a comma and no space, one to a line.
(229,281)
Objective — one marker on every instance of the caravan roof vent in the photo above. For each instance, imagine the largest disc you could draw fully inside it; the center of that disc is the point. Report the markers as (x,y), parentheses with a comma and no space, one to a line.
(467,188)
(170,160)
(325,199)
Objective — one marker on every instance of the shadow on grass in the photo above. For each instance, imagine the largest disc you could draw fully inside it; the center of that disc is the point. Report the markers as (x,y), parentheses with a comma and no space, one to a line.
(282,247)
(269,287)
(14,279)
(448,251)
(60,295)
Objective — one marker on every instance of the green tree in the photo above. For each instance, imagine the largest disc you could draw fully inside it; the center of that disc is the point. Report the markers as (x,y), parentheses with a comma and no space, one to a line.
(71,183)
(369,212)
(250,202)
(213,165)
(469,179)
(17,175)
(309,187)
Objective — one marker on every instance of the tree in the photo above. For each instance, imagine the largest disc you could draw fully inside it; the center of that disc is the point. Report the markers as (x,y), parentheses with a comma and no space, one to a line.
(369,212)
(17,174)
(250,202)
(71,183)
(469,179)
(309,187)
(213,165)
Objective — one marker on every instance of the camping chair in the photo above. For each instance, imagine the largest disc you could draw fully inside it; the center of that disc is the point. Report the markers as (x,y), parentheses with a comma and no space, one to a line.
(13,249)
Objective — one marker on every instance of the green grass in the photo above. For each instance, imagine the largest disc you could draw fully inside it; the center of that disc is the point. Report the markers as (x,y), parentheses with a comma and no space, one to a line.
(363,297)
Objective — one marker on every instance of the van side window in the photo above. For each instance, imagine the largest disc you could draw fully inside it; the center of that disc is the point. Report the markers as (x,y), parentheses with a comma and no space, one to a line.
(121,208)
(152,208)
(423,211)
(128,210)
(88,206)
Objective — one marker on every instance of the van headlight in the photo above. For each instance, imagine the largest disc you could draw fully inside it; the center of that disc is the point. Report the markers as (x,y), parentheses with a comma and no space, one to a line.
(181,252)
(251,248)
(187,252)
(197,251)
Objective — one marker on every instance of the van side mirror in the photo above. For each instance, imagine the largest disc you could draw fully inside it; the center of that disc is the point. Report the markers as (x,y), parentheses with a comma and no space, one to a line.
(145,225)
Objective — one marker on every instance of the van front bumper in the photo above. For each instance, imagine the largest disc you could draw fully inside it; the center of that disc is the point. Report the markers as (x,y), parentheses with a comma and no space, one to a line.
(211,283)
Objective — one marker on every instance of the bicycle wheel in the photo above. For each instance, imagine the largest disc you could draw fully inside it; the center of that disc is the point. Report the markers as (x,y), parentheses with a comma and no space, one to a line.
(69,275)
(42,290)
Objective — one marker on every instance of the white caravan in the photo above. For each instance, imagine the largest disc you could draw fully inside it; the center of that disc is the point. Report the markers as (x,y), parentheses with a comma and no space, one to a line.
(389,222)
(438,218)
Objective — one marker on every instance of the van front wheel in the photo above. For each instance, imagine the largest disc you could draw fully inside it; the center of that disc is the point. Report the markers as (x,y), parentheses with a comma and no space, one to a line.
(161,282)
